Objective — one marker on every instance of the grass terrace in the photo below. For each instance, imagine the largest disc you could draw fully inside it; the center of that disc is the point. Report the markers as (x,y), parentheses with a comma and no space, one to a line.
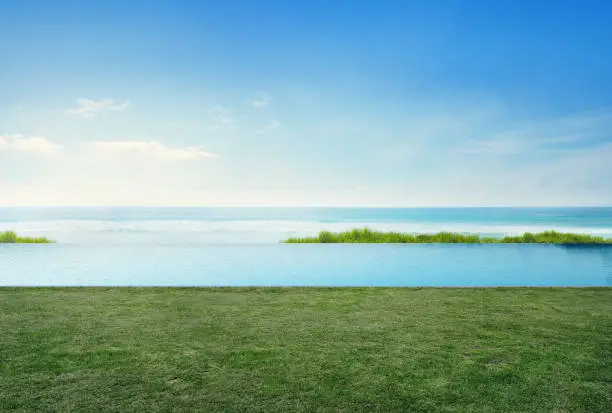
(269,350)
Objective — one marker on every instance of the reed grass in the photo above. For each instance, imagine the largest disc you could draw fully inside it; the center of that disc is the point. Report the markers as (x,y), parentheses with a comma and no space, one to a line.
(366,235)
(10,237)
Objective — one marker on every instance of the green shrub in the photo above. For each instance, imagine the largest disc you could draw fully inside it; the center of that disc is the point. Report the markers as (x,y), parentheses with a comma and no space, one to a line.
(8,237)
(326,236)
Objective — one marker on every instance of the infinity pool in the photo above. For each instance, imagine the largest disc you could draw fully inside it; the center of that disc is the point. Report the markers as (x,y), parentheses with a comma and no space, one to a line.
(304,265)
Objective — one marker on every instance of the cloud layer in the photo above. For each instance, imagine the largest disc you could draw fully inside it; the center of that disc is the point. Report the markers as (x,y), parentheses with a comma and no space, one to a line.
(452,156)
(144,149)
(33,144)
(269,127)
(149,149)
(88,108)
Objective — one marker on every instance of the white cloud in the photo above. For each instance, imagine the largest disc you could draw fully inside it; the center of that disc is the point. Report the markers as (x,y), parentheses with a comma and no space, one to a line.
(146,149)
(222,123)
(221,119)
(33,144)
(149,149)
(268,127)
(116,172)
(263,100)
(88,108)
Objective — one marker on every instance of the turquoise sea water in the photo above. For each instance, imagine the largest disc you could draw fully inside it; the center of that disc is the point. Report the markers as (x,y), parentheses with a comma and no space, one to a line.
(240,246)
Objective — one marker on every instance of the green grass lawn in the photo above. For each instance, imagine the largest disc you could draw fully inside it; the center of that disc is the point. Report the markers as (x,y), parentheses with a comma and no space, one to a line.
(305,350)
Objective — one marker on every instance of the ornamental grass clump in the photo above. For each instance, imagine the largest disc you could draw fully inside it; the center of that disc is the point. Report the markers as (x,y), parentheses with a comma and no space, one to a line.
(10,237)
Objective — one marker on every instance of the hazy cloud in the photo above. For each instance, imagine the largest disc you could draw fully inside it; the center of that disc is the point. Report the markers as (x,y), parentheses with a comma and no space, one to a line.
(147,149)
(263,100)
(220,119)
(268,127)
(20,143)
(150,149)
(88,108)
(559,134)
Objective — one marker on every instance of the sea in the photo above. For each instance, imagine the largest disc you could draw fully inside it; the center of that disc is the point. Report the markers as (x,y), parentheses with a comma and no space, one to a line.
(206,246)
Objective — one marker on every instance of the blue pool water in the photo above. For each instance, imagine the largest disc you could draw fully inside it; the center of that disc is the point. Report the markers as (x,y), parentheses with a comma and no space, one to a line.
(240,246)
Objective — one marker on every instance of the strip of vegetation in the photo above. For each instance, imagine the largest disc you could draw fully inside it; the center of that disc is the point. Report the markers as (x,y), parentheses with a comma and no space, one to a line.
(367,235)
(9,237)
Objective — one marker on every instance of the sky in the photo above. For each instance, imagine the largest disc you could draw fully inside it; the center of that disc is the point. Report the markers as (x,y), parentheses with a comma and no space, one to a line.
(313,103)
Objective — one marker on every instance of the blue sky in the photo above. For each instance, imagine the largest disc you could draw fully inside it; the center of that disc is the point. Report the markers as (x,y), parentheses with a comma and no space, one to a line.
(373,103)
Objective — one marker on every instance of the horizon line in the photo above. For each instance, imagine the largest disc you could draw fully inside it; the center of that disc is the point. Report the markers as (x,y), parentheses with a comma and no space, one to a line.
(308,206)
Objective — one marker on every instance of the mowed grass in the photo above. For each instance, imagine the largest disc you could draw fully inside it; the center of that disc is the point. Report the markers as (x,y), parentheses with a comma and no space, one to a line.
(366,235)
(305,350)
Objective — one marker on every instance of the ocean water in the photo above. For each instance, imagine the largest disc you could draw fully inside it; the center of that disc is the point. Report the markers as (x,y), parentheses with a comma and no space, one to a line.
(240,246)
